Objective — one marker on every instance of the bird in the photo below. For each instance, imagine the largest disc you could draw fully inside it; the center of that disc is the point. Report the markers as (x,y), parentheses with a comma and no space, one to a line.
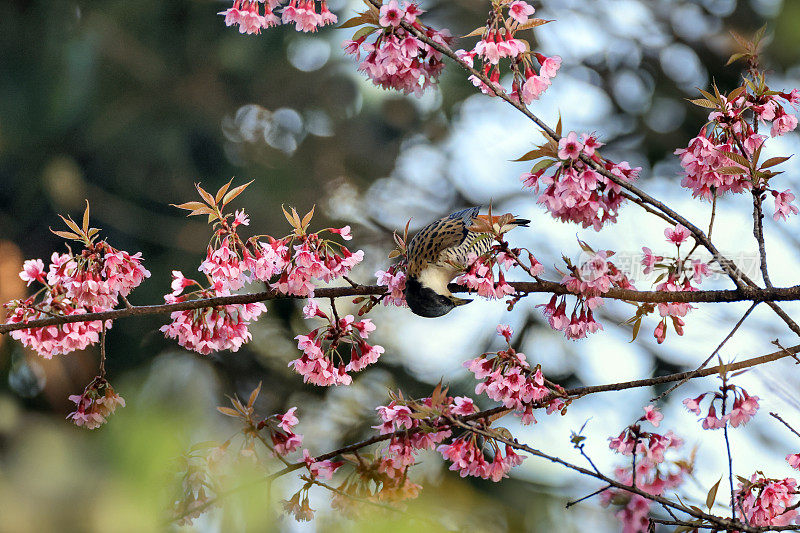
(439,252)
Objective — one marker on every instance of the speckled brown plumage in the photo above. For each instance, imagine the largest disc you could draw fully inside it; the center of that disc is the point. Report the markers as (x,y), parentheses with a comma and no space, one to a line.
(446,243)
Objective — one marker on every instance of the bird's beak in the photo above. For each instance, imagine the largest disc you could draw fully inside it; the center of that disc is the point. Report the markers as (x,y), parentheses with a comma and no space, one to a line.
(459,301)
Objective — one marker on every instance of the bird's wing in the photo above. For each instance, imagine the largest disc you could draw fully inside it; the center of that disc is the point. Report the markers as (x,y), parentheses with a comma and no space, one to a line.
(438,236)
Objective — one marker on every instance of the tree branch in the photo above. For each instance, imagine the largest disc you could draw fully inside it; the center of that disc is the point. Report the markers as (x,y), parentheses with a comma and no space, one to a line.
(754,294)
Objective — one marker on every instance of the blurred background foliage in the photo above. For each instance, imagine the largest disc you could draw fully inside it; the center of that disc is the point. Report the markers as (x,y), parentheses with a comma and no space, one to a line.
(128,104)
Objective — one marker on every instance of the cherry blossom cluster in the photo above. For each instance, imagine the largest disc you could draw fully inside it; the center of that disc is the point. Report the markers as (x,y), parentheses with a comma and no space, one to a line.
(395,58)
(197,485)
(508,379)
(724,156)
(589,281)
(480,274)
(675,274)
(423,421)
(95,405)
(767,502)
(575,192)
(254,15)
(654,474)
(75,283)
(468,458)
(202,473)
(414,425)
(532,72)
(322,362)
(394,279)
(743,409)
(290,265)
(209,329)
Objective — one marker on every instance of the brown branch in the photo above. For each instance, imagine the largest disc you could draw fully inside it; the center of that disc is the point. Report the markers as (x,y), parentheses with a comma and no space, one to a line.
(758,233)
(728,524)
(490,413)
(753,294)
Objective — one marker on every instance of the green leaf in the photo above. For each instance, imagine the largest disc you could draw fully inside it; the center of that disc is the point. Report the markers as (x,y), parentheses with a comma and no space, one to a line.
(736,93)
(735,57)
(365,31)
(235,192)
(228,411)
(542,165)
(86,218)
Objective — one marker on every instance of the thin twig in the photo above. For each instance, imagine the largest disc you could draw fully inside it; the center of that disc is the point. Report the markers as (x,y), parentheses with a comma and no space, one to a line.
(728,444)
(758,232)
(595,493)
(784,422)
(102,369)
(710,357)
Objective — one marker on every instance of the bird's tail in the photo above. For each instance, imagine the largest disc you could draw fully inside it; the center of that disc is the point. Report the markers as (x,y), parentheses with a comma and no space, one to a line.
(496,218)
(524,222)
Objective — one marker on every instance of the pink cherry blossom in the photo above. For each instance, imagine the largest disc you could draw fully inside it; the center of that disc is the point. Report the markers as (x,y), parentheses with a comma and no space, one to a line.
(391,14)
(702,159)
(212,329)
(569,147)
(765,501)
(32,270)
(95,405)
(652,415)
(794,460)
(783,124)
(783,204)
(395,282)
(322,469)
(463,406)
(548,68)
(693,404)
(590,142)
(677,235)
(505,331)
(520,11)
(649,260)
(288,420)
(711,421)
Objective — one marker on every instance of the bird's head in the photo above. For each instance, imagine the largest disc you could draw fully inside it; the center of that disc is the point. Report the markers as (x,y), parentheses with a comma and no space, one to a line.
(426,302)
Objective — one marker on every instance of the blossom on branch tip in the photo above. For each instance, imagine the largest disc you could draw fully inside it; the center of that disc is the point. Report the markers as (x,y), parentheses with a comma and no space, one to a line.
(652,415)
(397,58)
(767,502)
(95,405)
(677,235)
(520,11)
(783,205)
(391,14)
(32,270)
